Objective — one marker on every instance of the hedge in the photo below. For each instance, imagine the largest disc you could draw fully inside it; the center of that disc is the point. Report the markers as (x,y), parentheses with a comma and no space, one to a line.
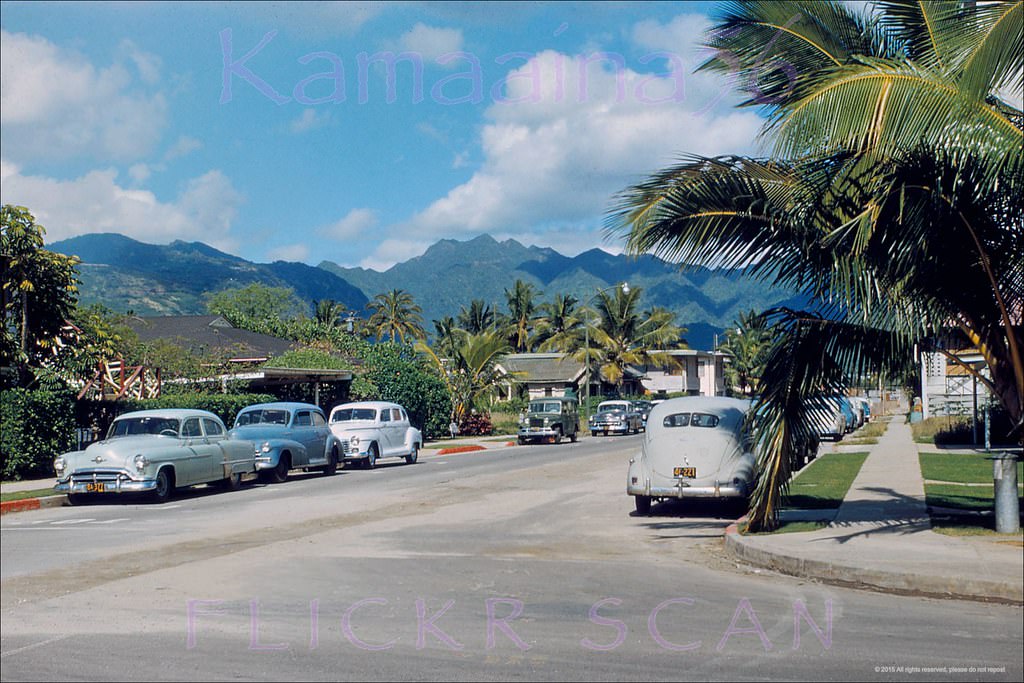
(35,427)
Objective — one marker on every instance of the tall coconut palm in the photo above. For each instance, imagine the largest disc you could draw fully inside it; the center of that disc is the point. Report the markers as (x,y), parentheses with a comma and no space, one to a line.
(892,198)
(479,317)
(558,326)
(395,315)
(624,336)
(447,336)
(747,344)
(328,312)
(521,315)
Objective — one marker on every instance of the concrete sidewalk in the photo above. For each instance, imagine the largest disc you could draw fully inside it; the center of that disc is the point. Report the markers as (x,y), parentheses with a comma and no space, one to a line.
(882,538)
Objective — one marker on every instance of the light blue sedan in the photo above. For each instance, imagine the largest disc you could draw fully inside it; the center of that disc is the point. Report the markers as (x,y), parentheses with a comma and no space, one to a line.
(288,436)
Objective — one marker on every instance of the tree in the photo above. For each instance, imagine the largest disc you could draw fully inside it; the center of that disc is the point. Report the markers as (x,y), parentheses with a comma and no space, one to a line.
(395,315)
(521,308)
(242,306)
(479,317)
(38,293)
(747,343)
(626,337)
(448,336)
(892,199)
(329,312)
(559,327)
(470,373)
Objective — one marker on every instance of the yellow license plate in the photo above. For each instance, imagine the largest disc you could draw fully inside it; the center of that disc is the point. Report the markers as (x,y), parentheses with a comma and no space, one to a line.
(685,472)
(96,487)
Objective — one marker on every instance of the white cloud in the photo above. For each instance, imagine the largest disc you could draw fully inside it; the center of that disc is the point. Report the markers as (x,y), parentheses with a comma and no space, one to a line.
(574,132)
(392,251)
(430,42)
(355,224)
(309,120)
(54,104)
(184,146)
(205,209)
(289,252)
(139,173)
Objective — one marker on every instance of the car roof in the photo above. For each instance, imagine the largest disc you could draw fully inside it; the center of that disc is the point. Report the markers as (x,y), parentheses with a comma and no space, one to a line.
(282,405)
(366,404)
(175,413)
(716,405)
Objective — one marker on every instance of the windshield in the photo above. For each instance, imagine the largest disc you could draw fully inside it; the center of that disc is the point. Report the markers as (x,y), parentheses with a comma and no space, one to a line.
(350,414)
(275,416)
(546,407)
(134,426)
(610,406)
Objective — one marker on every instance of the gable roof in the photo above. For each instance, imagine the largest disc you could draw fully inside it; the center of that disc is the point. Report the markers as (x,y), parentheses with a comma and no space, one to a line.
(530,368)
(204,332)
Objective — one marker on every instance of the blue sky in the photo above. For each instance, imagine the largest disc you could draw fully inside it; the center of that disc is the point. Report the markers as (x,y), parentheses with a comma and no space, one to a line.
(150,120)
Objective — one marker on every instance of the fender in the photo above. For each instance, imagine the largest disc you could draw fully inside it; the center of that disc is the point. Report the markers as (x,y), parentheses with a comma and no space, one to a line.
(268,453)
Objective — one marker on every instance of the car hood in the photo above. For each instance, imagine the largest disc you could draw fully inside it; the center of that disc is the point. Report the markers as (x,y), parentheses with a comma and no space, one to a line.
(260,432)
(351,426)
(118,452)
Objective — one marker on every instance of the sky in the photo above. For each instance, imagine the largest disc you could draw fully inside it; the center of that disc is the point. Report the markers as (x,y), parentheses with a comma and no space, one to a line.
(359,133)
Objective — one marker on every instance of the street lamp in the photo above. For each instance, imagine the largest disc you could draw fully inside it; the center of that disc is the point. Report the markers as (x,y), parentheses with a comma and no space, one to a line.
(586,347)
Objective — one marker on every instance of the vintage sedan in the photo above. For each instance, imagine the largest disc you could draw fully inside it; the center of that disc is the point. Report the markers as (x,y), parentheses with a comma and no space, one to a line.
(156,451)
(370,430)
(288,436)
(618,417)
(695,447)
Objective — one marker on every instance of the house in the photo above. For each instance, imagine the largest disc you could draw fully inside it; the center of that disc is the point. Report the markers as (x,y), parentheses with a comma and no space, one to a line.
(209,333)
(552,374)
(947,387)
(692,372)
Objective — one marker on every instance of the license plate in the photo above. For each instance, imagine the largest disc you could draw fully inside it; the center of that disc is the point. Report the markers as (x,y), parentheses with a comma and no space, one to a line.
(94,487)
(685,472)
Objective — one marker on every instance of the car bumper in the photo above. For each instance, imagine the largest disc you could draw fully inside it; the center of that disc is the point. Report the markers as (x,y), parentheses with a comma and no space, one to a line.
(85,486)
(608,429)
(538,432)
(683,491)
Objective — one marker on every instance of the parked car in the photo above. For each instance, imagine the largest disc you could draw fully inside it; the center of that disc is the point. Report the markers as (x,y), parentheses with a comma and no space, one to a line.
(371,430)
(848,412)
(549,419)
(695,447)
(288,436)
(618,416)
(865,406)
(644,408)
(156,451)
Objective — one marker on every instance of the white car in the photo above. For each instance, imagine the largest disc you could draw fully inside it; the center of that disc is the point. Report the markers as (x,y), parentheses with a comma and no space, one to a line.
(370,430)
(695,447)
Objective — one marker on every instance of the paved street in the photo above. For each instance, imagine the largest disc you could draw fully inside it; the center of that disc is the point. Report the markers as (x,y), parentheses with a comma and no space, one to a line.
(516,563)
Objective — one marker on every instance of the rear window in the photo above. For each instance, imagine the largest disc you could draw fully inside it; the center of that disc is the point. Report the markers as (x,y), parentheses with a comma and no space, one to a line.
(690,420)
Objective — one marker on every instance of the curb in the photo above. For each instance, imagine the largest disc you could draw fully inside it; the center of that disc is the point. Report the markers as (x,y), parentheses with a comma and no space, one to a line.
(26,504)
(861,577)
(459,449)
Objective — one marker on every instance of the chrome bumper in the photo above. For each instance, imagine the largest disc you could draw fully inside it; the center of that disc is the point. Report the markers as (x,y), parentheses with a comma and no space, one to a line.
(117,486)
(724,491)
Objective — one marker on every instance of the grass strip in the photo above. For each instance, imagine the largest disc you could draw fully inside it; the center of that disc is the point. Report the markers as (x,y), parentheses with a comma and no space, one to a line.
(968,468)
(823,484)
(22,495)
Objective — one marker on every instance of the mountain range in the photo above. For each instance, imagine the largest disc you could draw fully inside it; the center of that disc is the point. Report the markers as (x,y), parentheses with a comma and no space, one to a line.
(172,279)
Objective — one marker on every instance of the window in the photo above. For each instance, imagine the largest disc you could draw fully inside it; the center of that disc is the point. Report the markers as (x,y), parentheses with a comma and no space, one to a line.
(213,427)
(677,420)
(703,420)
(351,414)
(302,419)
(385,415)
(318,420)
(191,428)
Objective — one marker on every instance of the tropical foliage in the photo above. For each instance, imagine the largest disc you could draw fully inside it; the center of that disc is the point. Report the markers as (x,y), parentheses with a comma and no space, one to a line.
(395,316)
(746,343)
(470,373)
(892,198)
(255,301)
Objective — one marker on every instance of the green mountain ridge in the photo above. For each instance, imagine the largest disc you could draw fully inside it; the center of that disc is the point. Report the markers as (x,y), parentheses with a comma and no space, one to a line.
(125,274)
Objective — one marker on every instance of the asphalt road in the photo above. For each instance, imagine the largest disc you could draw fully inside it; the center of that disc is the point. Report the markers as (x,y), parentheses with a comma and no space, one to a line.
(518,563)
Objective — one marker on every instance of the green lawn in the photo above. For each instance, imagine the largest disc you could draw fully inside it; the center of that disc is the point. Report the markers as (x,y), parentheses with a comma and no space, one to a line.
(962,503)
(823,484)
(21,495)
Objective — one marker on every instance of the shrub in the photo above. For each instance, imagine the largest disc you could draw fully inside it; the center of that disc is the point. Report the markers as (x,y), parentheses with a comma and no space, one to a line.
(35,427)
(476,424)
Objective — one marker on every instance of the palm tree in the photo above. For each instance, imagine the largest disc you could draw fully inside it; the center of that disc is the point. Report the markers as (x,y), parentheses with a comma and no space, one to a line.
(395,314)
(448,336)
(892,199)
(747,343)
(328,312)
(470,373)
(520,319)
(479,317)
(625,337)
(558,327)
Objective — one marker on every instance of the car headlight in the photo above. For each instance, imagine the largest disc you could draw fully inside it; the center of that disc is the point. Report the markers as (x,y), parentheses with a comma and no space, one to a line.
(354,441)
(60,464)
(140,462)
(265,447)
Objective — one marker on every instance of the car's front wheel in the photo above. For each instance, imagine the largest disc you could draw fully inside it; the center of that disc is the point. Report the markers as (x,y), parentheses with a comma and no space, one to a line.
(164,485)
(413,456)
(371,457)
(280,471)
